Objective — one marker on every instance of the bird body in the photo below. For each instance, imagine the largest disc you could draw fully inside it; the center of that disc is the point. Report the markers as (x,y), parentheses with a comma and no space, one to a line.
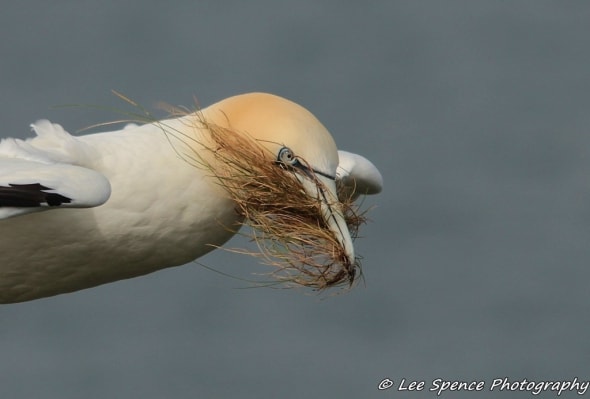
(155,217)
(127,202)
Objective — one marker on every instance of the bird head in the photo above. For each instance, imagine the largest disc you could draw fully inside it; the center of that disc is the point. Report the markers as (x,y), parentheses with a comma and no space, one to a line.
(279,164)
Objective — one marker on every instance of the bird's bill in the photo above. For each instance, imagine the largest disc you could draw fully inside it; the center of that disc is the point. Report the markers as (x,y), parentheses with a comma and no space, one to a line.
(324,189)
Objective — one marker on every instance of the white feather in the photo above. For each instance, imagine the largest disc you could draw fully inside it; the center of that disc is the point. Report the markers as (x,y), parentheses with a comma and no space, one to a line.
(357,175)
(51,160)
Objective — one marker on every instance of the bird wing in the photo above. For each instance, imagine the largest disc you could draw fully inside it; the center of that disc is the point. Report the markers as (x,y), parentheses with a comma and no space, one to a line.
(39,174)
(356,176)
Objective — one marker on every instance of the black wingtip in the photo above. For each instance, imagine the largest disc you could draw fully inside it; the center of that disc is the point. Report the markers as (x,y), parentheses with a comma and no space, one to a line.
(30,195)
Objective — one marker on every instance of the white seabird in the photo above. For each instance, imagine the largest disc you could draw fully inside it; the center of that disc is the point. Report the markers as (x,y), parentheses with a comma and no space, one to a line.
(77,212)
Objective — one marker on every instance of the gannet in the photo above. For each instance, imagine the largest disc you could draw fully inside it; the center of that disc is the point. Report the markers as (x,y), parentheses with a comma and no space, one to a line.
(81,211)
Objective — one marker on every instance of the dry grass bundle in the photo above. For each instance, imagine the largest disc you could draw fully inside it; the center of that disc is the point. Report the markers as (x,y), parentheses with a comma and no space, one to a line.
(286,223)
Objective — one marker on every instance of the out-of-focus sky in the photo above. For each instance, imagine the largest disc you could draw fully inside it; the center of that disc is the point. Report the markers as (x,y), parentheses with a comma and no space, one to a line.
(476,261)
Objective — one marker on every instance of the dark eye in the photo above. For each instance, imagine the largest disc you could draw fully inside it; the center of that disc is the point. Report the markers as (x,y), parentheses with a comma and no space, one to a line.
(286,156)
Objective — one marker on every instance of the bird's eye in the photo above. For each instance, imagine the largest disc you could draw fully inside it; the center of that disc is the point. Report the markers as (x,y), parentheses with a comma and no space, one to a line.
(286,157)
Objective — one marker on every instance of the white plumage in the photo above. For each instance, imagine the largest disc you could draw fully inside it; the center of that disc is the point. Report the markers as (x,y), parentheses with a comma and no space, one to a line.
(76,212)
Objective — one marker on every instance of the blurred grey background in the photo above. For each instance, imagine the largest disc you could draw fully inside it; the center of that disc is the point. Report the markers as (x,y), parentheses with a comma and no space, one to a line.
(476,261)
